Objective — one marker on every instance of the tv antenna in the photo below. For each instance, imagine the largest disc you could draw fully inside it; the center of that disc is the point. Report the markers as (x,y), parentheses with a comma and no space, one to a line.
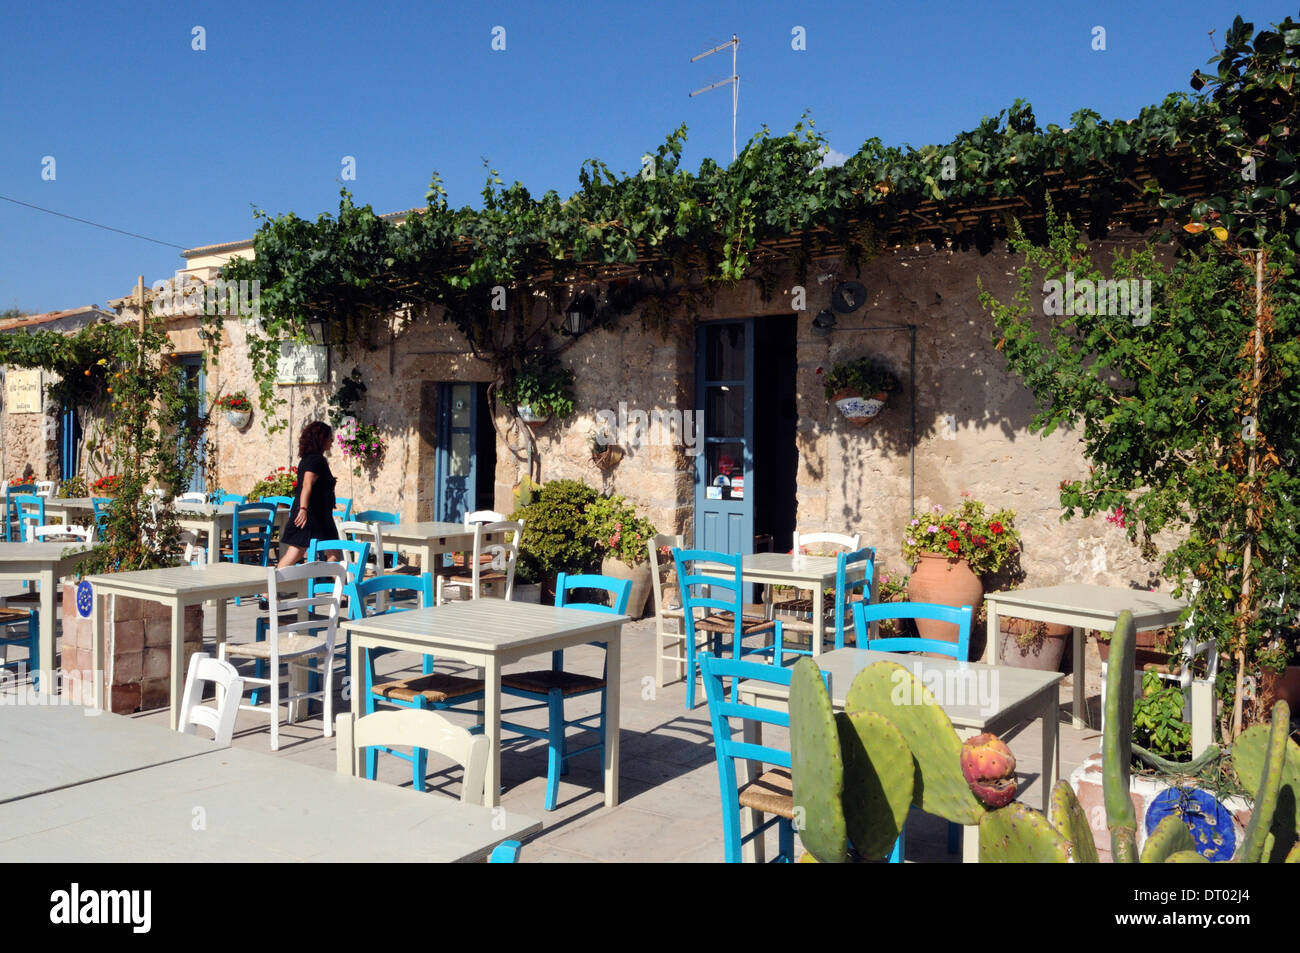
(733,80)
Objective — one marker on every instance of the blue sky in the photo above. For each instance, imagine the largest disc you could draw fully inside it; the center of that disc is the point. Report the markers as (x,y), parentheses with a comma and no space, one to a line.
(152,136)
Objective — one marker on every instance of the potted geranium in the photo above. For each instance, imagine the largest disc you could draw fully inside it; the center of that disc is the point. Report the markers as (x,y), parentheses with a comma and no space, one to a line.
(950,552)
(621,536)
(238,408)
(280,482)
(859,388)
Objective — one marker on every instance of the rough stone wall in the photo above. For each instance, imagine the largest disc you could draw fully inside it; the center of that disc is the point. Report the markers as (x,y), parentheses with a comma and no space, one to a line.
(31,442)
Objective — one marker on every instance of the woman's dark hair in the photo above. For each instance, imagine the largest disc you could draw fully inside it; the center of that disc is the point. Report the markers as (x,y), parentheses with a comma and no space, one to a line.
(315,438)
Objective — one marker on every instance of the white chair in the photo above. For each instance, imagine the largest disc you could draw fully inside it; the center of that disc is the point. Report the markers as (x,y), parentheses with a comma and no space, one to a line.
(46,487)
(670,624)
(796,612)
(192,497)
(230,688)
(484,516)
(61,533)
(498,570)
(358,531)
(195,555)
(295,644)
(416,728)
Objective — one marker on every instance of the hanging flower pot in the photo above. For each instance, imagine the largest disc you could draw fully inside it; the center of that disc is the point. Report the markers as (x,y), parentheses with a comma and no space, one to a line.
(238,418)
(530,416)
(859,410)
(859,388)
(238,408)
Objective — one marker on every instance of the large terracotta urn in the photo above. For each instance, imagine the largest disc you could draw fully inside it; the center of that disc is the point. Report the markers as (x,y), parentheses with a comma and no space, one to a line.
(948,582)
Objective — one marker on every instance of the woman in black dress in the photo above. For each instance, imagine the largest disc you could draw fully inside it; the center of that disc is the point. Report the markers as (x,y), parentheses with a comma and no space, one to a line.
(312,515)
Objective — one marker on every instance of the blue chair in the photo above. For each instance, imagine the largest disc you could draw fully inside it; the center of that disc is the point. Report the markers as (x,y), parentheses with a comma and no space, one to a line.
(431,690)
(11,514)
(27,624)
(99,505)
(285,501)
(343,507)
(506,852)
(723,611)
(864,614)
(549,688)
(251,535)
(29,510)
(850,592)
(221,498)
(772,792)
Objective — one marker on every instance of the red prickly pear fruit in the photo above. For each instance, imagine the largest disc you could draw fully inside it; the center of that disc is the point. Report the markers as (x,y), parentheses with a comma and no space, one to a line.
(989,768)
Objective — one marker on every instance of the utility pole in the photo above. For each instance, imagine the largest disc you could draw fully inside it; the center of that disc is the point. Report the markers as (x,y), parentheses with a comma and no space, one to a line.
(733,80)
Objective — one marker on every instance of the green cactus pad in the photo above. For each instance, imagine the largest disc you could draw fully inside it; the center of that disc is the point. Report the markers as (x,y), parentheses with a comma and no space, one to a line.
(1248,755)
(1017,834)
(1068,818)
(878,778)
(817,766)
(1117,740)
(1294,856)
(1268,790)
(1170,837)
(891,690)
(1185,857)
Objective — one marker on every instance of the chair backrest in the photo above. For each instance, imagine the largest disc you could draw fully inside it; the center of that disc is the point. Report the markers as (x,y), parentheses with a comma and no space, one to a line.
(343,507)
(505,554)
(194,496)
(619,591)
(864,614)
(484,516)
(46,488)
(323,601)
(30,511)
(251,531)
(705,594)
(376,516)
(660,566)
(221,719)
(806,541)
(11,508)
(417,728)
(355,555)
(278,501)
(846,588)
(363,591)
(99,506)
(221,497)
(60,533)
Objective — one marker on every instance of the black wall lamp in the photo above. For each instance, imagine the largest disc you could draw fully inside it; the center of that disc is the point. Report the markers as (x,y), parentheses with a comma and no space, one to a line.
(577,317)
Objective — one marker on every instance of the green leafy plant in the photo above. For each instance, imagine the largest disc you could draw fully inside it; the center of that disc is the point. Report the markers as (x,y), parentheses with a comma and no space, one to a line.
(1158,722)
(281,482)
(351,391)
(73,488)
(864,376)
(543,384)
(557,536)
(987,541)
(619,532)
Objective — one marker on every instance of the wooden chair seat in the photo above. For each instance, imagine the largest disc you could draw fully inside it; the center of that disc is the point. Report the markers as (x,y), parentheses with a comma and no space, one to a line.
(30,598)
(793,605)
(436,688)
(541,682)
(772,793)
(10,616)
(466,578)
(290,646)
(724,622)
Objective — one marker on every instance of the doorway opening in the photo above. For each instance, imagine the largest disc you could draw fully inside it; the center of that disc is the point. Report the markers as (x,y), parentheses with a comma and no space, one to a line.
(776,457)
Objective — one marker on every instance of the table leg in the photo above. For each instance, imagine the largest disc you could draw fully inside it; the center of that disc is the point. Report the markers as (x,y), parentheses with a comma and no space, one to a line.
(1051,731)
(357,690)
(492,729)
(214,541)
(1080,680)
(818,620)
(970,844)
(753,852)
(993,632)
(45,637)
(178,662)
(219,622)
(97,650)
(613,681)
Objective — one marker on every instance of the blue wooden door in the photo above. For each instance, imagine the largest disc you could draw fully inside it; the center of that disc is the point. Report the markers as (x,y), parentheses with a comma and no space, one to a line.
(457,466)
(193,377)
(724,485)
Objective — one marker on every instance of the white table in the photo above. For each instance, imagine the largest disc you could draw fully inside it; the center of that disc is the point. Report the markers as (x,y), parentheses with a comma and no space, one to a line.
(489,634)
(47,747)
(976,698)
(1082,607)
(74,509)
(431,539)
(241,805)
(214,520)
(46,563)
(177,588)
(816,573)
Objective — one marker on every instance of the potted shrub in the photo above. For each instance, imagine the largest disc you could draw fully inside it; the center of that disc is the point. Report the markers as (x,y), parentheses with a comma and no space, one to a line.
(238,408)
(278,483)
(951,552)
(621,536)
(73,488)
(859,388)
(557,537)
(540,388)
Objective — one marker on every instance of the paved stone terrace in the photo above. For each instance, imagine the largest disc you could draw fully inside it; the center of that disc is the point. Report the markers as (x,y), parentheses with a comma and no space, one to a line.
(670,808)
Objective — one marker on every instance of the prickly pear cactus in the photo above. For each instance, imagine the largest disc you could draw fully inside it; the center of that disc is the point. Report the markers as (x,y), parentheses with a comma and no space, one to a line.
(1249,752)
(1170,837)
(1268,790)
(878,777)
(1117,740)
(1068,818)
(1185,857)
(891,690)
(817,766)
(1018,834)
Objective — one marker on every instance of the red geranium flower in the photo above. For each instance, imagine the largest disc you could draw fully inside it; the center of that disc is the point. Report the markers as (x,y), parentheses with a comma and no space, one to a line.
(954,545)
(995,528)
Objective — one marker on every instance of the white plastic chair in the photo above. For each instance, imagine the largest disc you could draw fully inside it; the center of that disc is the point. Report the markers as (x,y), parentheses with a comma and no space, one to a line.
(295,644)
(498,570)
(230,687)
(61,533)
(416,728)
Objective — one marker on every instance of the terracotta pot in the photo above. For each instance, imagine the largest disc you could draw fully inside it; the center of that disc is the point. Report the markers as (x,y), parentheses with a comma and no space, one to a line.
(1043,655)
(859,410)
(527,592)
(640,576)
(1147,653)
(947,582)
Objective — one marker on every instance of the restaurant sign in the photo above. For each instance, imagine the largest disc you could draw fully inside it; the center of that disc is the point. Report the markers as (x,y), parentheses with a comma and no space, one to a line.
(23,391)
(302,364)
